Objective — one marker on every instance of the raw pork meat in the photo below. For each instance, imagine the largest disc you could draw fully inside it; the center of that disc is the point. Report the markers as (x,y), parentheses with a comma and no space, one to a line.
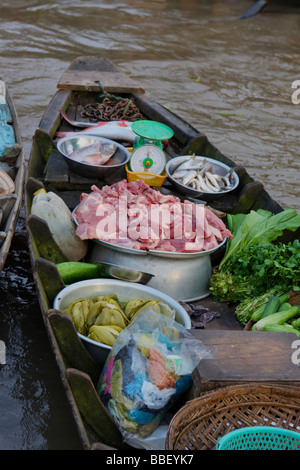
(133,215)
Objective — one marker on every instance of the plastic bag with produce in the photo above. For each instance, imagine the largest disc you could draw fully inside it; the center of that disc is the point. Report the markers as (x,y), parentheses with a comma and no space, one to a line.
(149,367)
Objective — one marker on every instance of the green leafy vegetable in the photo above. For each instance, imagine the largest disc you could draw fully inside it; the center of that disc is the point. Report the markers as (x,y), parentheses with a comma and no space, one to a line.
(226,287)
(256,269)
(257,227)
(268,265)
(250,306)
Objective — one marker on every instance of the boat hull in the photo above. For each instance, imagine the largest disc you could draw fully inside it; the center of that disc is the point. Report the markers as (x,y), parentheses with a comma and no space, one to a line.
(47,171)
(12,162)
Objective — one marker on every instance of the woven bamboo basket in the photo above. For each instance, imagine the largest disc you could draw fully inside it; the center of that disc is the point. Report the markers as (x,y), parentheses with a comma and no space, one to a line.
(199,423)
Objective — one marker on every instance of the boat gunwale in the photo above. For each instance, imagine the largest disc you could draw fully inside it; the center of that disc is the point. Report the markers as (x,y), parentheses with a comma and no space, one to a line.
(49,124)
(20,170)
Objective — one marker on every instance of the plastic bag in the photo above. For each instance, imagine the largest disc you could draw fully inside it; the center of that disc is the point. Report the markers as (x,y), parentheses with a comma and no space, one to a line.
(148,368)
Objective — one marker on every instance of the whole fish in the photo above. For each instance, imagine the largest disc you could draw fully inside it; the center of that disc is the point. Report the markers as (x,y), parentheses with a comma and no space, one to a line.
(199,175)
(114,130)
(94,154)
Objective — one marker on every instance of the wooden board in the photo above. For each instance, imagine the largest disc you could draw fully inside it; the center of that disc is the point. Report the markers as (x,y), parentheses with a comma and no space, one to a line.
(244,357)
(113,82)
(44,240)
(226,319)
(93,411)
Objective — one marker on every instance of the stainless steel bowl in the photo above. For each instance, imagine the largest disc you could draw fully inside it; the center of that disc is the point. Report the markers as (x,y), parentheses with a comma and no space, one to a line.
(125,291)
(160,253)
(67,145)
(218,168)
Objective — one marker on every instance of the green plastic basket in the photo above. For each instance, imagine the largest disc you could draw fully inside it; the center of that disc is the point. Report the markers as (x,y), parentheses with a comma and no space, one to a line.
(259,438)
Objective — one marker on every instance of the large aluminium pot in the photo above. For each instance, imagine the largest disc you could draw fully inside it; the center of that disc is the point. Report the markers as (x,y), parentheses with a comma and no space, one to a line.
(182,276)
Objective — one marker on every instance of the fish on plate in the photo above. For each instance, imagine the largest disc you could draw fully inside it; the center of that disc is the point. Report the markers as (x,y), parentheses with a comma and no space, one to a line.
(94,154)
(198,174)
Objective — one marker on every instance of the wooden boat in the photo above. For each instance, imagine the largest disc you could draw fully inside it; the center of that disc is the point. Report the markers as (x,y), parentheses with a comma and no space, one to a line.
(12,171)
(79,85)
(259,6)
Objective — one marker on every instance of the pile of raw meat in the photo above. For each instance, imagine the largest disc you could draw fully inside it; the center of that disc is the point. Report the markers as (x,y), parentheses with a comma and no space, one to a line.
(133,215)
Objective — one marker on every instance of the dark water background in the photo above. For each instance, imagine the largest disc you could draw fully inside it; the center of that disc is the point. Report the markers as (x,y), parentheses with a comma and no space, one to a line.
(231,79)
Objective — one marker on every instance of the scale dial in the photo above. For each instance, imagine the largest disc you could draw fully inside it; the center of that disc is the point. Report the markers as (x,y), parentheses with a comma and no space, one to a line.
(148,158)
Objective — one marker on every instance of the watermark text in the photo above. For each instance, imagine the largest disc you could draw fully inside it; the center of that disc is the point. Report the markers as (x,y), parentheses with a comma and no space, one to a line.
(296,93)
(296,353)
(155,222)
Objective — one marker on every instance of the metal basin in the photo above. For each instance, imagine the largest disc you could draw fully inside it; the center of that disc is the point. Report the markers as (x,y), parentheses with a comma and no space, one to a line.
(124,273)
(182,276)
(125,291)
(218,168)
(67,145)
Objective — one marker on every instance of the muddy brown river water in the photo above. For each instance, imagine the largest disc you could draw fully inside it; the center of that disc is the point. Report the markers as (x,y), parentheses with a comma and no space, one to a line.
(232,79)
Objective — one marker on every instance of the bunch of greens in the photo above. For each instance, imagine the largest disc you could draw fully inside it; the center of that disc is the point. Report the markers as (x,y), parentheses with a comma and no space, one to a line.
(256,269)
(252,264)
(257,227)
(246,308)
(268,265)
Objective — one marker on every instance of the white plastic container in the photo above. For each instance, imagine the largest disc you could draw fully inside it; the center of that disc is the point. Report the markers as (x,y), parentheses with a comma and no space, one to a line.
(53,210)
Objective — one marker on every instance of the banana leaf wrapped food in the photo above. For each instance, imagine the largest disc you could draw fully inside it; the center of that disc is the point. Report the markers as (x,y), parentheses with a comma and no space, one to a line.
(79,311)
(135,306)
(106,334)
(104,317)
(106,313)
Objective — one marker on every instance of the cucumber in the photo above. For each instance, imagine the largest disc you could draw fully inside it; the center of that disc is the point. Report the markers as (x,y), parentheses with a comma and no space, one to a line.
(296,323)
(284,298)
(277,317)
(272,306)
(74,271)
(284,306)
(281,328)
(258,313)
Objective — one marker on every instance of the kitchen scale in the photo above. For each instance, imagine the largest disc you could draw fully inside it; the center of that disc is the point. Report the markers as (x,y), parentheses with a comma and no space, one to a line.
(147,153)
